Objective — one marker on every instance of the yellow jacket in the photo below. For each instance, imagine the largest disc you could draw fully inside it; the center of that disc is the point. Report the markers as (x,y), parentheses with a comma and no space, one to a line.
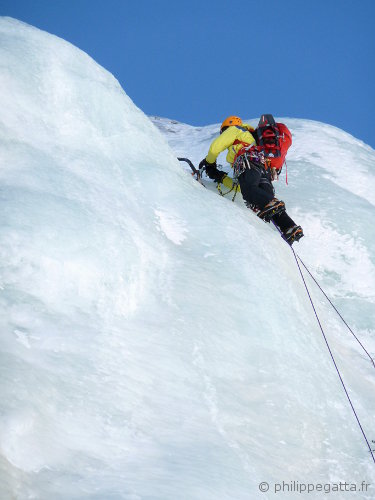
(226,141)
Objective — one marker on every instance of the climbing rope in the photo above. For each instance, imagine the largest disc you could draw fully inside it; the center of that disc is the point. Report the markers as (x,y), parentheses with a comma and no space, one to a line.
(327,343)
(297,258)
(338,312)
(332,357)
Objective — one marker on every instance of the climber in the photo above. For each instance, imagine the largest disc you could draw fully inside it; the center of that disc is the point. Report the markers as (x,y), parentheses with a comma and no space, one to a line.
(257,157)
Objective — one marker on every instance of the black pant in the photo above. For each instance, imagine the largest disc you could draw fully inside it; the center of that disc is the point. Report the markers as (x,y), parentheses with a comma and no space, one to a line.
(256,186)
(257,190)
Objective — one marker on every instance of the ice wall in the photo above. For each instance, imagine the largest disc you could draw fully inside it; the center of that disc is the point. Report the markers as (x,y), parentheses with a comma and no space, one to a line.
(155,341)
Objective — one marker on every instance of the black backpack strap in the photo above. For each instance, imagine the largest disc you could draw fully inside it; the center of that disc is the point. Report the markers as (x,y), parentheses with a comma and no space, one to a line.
(266,120)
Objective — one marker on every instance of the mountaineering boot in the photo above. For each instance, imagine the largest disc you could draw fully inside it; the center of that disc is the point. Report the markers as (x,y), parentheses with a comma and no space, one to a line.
(293,234)
(272,208)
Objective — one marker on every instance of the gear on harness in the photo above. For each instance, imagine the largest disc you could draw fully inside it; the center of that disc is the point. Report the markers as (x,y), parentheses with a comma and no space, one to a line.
(248,158)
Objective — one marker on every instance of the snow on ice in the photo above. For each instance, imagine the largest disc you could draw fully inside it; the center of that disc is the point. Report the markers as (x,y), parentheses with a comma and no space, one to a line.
(156,339)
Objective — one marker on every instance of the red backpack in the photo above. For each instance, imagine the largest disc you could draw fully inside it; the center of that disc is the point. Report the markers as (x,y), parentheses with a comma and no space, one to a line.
(274,140)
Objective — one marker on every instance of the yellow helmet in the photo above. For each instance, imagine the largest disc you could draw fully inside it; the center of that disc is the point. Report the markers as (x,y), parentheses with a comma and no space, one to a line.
(228,122)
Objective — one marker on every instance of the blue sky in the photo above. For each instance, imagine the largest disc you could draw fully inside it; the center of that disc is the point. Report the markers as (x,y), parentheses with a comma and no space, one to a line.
(199,61)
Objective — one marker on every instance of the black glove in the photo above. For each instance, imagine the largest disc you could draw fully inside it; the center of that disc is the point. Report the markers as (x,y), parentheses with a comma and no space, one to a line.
(212,171)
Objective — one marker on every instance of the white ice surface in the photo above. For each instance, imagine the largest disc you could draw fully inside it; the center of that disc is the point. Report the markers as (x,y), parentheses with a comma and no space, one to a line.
(156,339)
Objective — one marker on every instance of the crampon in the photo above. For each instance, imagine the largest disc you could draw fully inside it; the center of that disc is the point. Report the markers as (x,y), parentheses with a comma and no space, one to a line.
(293,234)
(274,207)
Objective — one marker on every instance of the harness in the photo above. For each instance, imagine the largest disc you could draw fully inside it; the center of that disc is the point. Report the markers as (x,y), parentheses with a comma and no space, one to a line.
(249,156)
